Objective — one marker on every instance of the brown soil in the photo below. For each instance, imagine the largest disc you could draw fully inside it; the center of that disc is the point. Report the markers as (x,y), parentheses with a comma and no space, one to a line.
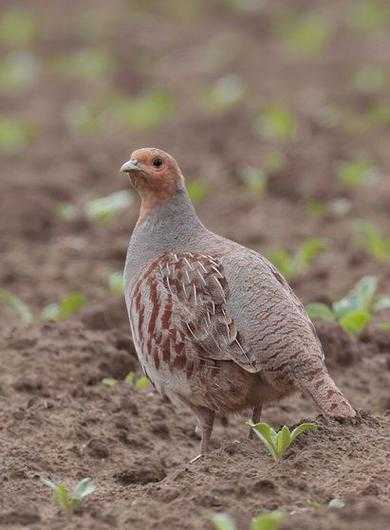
(57,419)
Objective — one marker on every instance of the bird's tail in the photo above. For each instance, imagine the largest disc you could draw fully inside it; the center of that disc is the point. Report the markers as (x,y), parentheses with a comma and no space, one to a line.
(327,396)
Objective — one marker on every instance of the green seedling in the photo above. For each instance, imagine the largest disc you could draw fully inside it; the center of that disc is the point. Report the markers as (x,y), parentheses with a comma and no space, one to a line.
(66,211)
(139,383)
(65,308)
(197,190)
(292,265)
(82,117)
(316,207)
(369,79)
(17,306)
(15,135)
(379,114)
(18,27)
(277,443)
(276,122)
(305,35)
(314,504)
(369,15)
(373,241)
(333,504)
(115,282)
(357,172)
(102,209)
(338,207)
(255,179)
(143,112)
(227,92)
(18,70)
(353,312)
(88,64)
(70,500)
(336,504)
(115,111)
(109,381)
(264,521)
(105,208)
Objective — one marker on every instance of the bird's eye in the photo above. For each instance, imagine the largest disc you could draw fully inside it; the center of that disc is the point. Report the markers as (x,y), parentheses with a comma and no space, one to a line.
(157,162)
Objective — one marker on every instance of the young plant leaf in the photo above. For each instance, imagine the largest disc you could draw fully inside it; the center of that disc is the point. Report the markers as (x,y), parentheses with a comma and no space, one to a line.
(116,283)
(197,190)
(283,441)
(355,321)
(373,241)
(283,262)
(267,435)
(305,35)
(254,179)
(336,504)
(48,483)
(66,211)
(130,378)
(88,64)
(346,305)
(318,311)
(381,304)
(105,208)
(223,521)
(15,135)
(277,122)
(307,252)
(18,27)
(109,381)
(66,500)
(357,172)
(18,71)
(63,498)
(267,521)
(365,290)
(69,305)
(227,92)
(84,488)
(304,427)
(360,298)
(143,112)
(17,306)
(142,383)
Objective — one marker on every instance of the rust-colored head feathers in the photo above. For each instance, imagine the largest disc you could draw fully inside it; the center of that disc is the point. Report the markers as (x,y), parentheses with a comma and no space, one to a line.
(155,175)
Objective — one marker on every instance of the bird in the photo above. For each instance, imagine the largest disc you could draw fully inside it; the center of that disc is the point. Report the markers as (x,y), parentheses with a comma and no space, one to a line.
(215,325)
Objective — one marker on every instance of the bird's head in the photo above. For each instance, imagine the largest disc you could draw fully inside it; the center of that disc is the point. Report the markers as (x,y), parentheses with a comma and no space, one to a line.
(154,174)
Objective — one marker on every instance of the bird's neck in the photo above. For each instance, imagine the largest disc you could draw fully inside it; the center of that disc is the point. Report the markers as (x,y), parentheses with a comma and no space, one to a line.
(170,225)
(175,211)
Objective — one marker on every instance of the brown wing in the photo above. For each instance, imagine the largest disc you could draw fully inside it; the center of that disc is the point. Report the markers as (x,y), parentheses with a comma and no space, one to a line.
(179,316)
(195,289)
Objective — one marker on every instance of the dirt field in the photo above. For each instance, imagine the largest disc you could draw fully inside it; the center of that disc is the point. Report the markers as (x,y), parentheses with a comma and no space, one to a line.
(94,80)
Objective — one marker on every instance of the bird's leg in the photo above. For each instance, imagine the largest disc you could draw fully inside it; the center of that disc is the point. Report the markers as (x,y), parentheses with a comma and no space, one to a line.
(205,418)
(256,415)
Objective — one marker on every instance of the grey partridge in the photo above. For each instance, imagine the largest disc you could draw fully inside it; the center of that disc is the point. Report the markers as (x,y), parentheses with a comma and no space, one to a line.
(214,324)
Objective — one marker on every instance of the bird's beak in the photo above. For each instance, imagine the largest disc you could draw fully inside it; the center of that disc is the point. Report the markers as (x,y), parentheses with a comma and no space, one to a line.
(130,166)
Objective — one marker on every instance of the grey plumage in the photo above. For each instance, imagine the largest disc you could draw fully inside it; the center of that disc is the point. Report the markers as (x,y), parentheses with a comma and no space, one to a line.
(214,323)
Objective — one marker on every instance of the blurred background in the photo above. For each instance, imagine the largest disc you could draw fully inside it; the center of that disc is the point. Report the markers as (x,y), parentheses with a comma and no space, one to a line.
(278,113)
